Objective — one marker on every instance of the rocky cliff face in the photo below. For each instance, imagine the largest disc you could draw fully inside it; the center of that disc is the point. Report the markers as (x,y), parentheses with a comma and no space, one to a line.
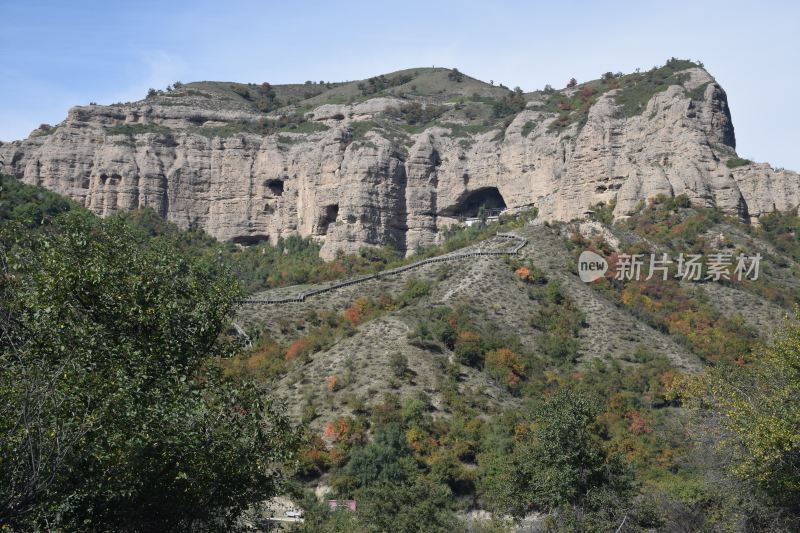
(397,166)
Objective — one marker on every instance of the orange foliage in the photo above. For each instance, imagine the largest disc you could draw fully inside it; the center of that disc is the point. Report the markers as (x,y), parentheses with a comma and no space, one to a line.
(331,382)
(418,440)
(337,457)
(296,348)
(506,362)
(336,428)
(521,431)
(264,358)
(356,313)
(667,378)
(523,273)
(468,337)
(353,316)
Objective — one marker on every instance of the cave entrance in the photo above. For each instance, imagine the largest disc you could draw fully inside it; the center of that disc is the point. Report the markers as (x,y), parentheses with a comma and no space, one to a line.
(249,240)
(329,215)
(488,198)
(275,187)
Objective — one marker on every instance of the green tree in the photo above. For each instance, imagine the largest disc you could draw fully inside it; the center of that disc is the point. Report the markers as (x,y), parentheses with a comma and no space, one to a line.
(753,409)
(113,415)
(384,460)
(559,464)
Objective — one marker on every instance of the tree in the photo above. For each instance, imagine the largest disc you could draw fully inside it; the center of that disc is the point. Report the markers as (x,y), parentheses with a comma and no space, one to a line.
(572,83)
(753,409)
(558,463)
(382,461)
(455,75)
(399,364)
(113,414)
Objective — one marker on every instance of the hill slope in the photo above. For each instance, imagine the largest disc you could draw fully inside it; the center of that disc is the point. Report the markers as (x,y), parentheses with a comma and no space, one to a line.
(460,352)
(420,390)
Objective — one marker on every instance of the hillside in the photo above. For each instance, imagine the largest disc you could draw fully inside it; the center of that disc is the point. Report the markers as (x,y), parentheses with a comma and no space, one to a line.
(424,390)
(459,352)
(395,159)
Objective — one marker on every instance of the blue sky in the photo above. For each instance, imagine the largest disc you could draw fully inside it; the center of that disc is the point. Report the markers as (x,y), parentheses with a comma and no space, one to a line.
(57,54)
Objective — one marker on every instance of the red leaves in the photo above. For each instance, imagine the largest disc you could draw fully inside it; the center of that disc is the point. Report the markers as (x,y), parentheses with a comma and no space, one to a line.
(331,382)
(298,347)
(638,425)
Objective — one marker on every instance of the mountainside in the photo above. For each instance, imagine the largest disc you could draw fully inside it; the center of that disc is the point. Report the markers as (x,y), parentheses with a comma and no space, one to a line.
(395,159)
(457,353)
(391,311)
(434,396)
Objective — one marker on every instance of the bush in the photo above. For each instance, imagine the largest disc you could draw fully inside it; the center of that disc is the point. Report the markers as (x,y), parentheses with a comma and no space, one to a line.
(414,289)
(736,162)
(455,75)
(637,89)
(416,113)
(511,104)
(399,364)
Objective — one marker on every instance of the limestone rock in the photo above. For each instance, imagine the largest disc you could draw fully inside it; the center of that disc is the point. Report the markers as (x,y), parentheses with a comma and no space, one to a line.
(204,161)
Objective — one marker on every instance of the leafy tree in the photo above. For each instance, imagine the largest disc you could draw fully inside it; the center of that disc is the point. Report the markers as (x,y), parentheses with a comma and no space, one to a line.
(756,406)
(399,364)
(113,415)
(408,508)
(511,104)
(558,462)
(399,508)
(455,75)
(383,460)
(28,205)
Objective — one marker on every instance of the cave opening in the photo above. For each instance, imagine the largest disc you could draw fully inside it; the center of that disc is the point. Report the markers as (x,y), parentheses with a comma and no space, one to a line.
(488,198)
(275,187)
(329,215)
(249,240)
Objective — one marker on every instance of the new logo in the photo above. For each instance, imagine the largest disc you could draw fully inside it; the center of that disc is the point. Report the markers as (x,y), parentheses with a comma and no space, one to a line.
(591,266)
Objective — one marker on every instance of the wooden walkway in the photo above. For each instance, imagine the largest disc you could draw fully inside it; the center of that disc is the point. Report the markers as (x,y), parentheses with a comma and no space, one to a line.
(520,243)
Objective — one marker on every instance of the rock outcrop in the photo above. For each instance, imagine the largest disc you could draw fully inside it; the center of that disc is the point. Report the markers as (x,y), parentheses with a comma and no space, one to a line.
(356,174)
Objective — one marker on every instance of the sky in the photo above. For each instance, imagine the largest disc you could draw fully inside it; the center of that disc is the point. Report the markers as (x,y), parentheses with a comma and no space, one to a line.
(56,54)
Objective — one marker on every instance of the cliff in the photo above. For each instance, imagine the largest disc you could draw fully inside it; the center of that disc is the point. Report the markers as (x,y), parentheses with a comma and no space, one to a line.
(395,159)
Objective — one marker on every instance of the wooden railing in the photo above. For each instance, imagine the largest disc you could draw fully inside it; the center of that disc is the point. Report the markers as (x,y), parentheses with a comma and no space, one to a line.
(521,242)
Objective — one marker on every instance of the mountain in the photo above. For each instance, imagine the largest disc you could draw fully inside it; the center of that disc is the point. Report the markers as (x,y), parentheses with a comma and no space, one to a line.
(395,159)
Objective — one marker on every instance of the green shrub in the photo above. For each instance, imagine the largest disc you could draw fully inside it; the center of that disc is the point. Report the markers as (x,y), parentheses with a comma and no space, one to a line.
(414,289)
(29,205)
(736,162)
(399,364)
(637,89)
(528,128)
